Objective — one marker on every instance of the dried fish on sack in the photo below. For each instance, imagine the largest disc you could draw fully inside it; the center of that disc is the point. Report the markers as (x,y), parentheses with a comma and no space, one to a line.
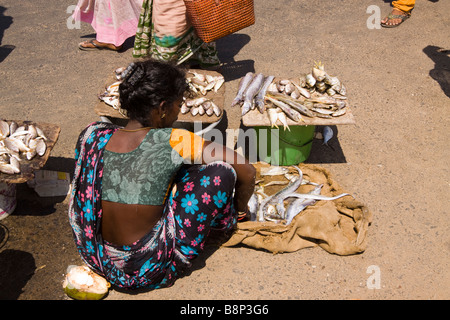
(299,204)
(272,207)
(277,197)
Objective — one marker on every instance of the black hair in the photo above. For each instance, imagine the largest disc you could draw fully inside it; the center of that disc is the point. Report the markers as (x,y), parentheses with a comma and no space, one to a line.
(148,83)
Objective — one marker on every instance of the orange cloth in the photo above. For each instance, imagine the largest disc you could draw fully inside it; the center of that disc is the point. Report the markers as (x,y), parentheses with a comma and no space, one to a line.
(188,145)
(404,5)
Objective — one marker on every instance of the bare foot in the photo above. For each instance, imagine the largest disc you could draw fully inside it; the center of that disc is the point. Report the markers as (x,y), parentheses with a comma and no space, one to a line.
(395,18)
(94,44)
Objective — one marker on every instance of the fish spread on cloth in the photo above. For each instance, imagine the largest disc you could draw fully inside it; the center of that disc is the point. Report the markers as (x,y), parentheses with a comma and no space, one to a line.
(339,226)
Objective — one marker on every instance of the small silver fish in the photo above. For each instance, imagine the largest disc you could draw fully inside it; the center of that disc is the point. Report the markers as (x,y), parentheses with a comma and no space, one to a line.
(327,135)
(313,196)
(253,206)
(299,204)
(243,84)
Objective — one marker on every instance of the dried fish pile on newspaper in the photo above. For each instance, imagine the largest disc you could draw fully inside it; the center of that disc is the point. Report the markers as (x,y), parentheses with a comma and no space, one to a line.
(196,101)
(317,94)
(19,143)
(263,207)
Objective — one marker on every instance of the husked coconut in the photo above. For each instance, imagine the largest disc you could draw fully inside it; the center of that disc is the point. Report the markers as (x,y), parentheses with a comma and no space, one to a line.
(81,283)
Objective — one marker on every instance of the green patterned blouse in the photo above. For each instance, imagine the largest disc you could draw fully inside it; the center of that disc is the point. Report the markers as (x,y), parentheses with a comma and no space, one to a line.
(143,176)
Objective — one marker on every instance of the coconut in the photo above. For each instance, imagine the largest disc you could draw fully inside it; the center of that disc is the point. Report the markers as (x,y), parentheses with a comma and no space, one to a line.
(81,283)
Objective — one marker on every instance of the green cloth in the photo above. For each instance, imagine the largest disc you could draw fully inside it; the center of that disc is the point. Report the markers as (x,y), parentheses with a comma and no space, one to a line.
(170,48)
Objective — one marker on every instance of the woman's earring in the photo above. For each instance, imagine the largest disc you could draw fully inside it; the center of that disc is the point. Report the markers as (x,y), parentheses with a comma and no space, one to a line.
(163,115)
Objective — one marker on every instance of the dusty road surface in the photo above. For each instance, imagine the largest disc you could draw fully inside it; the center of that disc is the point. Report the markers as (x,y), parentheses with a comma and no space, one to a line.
(395,159)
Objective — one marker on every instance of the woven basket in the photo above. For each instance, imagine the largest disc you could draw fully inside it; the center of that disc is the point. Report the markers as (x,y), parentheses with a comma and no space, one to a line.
(214,19)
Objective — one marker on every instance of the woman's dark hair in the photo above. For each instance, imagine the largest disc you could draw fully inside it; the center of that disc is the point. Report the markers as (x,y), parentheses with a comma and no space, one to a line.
(148,83)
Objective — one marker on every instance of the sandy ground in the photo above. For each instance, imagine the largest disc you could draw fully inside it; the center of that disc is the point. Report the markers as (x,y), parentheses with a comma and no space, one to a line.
(394,159)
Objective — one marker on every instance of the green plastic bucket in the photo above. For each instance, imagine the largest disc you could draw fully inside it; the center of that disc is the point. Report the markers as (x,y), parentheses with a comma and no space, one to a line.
(293,147)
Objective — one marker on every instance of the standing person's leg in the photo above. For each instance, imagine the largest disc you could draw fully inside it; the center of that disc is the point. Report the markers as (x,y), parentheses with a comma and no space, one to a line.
(401,11)
(113,22)
(203,201)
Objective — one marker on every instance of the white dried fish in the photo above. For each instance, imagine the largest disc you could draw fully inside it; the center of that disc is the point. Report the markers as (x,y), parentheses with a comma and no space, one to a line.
(273,171)
(273,117)
(218,84)
(4,129)
(216,109)
(282,117)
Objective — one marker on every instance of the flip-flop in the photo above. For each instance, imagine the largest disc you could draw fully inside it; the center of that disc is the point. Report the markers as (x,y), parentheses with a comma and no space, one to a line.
(391,16)
(96,47)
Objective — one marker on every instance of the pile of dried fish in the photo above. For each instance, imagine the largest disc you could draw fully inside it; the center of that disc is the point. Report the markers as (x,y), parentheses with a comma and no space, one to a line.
(200,106)
(195,101)
(18,143)
(315,95)
(203,83)
(111,94)
(272,208)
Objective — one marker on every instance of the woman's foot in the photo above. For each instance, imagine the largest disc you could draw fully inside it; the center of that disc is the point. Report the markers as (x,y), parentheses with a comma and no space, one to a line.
(395,18)
(96,45)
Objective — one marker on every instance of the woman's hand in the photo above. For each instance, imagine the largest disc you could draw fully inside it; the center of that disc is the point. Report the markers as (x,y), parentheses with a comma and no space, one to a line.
(246,173)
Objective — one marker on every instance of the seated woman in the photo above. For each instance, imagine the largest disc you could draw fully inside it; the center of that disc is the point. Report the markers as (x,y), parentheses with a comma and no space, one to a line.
(145,196)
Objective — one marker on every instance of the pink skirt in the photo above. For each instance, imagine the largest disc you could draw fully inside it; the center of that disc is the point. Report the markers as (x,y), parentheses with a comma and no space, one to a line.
(113,21)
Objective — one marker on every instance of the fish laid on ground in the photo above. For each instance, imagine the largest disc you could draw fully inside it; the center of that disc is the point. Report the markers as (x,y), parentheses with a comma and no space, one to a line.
(243,84)
(327,135)
(251,91)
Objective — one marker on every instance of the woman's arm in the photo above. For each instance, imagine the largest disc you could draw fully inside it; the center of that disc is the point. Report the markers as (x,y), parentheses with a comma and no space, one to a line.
(246,173)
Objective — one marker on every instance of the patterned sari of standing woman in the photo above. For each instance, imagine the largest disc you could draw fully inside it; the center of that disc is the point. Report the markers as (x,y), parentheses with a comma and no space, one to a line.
(165,33)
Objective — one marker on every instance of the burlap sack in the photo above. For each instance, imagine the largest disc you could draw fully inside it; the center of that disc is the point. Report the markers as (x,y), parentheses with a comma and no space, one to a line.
(339,226)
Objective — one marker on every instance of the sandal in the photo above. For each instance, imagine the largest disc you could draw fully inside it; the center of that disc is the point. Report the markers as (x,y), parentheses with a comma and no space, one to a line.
(391,16)
(96,47)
